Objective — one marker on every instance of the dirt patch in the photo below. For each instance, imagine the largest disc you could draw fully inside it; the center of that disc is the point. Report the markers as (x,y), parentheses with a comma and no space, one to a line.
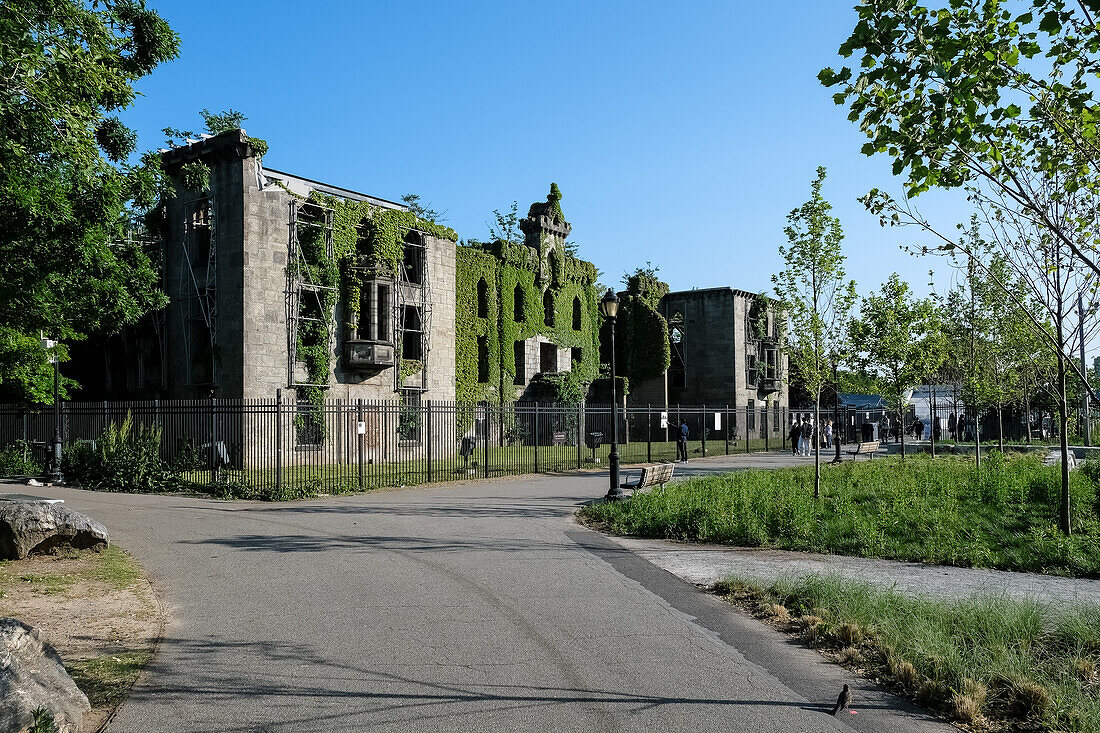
(97,609)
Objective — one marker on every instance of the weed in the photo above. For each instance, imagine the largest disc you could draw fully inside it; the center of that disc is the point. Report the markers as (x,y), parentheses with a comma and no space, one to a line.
(850,655)
(106,679)
(849,634)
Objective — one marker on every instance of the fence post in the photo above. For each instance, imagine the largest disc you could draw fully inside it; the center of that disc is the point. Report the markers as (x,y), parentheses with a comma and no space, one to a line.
(536,436)
(278,442)
(485,435)
(748,433)
(213,441)
(359,437)
(767,427)
(703,431)
(727,430)
(580,430)
(429,421)
(649,433)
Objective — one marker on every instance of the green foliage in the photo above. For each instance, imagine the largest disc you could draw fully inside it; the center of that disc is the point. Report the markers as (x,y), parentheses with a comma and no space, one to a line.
(507,266)
(1023,664)
(17,459)
(66,67)
(941,511)
(125,458)
(890,338)
(42,722)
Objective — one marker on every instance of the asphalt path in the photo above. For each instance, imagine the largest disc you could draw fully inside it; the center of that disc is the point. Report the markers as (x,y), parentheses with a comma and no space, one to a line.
(480,606)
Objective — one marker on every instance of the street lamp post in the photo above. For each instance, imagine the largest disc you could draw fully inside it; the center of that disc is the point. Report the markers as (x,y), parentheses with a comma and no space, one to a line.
(55,468)
(609,309)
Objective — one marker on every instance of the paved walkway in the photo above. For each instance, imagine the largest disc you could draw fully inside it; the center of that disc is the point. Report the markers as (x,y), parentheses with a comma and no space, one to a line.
(707,564)
(479,606)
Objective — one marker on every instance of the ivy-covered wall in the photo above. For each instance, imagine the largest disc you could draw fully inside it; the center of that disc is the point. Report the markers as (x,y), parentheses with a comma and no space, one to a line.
(505,266)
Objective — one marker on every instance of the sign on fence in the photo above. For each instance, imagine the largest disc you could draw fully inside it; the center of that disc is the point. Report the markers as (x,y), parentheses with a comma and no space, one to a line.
(664,419)
(717,421)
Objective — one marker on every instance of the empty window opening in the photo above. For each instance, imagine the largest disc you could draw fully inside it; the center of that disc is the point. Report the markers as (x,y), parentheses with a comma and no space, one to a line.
(548,358)
(517,304)
(576,313)
(383,313)
(309,425)
(410,416)
(521,363)
(483,359)
(576,356)
(482,298)
(412,265)
(548,308)
(412,336)
(199,246)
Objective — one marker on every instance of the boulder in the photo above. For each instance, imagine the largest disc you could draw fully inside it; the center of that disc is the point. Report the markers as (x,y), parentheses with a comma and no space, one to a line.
(1054,457)
(32,678)
(38,527)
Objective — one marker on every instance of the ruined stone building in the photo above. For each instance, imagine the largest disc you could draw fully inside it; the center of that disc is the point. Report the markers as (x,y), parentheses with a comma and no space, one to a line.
(281,284)
(724,349)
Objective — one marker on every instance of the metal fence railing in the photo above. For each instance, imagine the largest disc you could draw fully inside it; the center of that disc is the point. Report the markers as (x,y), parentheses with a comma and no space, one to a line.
(344,445)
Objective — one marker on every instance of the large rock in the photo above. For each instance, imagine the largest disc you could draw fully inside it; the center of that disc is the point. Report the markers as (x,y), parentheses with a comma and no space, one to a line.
(38,527)
(1054,457)
(32,678)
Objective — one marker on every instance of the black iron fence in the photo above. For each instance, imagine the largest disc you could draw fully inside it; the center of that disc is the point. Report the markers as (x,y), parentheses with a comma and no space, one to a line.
(345,445)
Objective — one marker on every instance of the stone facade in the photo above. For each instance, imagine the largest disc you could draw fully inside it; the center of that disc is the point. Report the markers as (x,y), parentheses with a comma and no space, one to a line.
(719,357)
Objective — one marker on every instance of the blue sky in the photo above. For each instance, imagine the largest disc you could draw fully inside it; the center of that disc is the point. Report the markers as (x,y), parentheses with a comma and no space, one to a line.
(680,133)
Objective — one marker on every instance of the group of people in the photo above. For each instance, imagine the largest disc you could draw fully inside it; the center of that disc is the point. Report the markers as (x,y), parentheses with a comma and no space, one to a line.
(803,433)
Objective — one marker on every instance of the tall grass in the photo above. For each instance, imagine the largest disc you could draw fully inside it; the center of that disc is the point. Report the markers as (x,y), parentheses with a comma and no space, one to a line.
(980,657)
(941,511)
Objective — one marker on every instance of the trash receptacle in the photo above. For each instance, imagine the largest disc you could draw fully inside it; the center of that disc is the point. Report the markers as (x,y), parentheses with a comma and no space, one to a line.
(868,430)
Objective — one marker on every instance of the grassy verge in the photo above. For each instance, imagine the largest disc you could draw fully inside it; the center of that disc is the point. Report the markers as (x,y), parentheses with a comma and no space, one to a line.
(987,661)
(106,680)
(940,511)
(96,609)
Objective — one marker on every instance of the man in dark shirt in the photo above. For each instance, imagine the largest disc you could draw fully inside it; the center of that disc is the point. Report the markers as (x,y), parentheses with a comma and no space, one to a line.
(682,442)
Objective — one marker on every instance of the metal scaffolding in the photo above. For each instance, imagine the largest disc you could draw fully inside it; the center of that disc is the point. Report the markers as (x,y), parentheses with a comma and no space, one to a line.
(302,282)
(196,287)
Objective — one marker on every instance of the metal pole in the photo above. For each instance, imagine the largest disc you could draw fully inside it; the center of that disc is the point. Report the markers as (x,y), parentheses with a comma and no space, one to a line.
(536,437)
(213,442)
(836,413)
(360,437)
(727,430)
(649,433)
(429,428)
(703,432)
(614,493)
(485,435)
(1084,371)
(56,473)
(279,442)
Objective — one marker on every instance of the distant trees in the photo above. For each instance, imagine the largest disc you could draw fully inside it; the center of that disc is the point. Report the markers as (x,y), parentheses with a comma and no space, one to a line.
(894,336)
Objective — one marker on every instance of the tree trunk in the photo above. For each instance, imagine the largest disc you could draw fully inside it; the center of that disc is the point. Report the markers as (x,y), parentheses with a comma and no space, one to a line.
(901,424)
(1000,428)
(932,424)
(1027,414)
(977,438)
(816,438)
(1063,443)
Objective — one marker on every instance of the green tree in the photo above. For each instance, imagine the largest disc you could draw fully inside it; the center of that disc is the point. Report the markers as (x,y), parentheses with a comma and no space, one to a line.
(976,92)
(815,298)
(890,336)
(67,192)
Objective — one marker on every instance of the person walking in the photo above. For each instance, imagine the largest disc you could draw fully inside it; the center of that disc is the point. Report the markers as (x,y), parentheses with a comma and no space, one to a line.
(884,430)
(918,428)
(828,442)
(952,424)
(682,443)
(807,437)
(794,435)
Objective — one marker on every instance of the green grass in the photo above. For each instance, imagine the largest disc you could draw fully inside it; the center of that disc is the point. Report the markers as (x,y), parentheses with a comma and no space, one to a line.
(110,565)
(106,680)
(940,511)
(1017,662)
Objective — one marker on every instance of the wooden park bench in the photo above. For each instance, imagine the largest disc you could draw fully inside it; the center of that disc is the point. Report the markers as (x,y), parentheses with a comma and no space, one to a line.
(869,448)
(658,475)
